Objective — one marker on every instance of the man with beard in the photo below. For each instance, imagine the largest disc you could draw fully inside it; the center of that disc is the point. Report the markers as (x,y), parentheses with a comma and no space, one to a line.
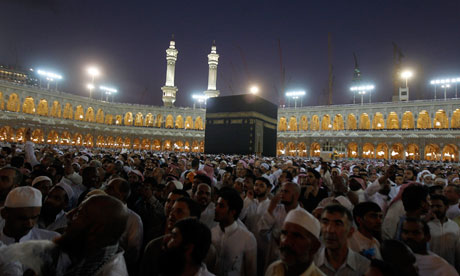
(236,247)
(185,249)
(269,225)
(416,234)
(10,178)
(445,234)
(20,214)
(298,244)
(410,175)
(203,197)
(312,194)
(52,215)
(368,217)
(256,204)
(336,258)
(88,247)
(183,207)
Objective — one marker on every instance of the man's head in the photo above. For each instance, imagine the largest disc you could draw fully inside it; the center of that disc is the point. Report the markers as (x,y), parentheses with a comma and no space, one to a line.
(200,178)
(286,176)
(43,184)
(313,177)
(299,239)
(228,207)
(439,206)
(21,211)
(290,193)
(187,245)
(415,199)
(452,193)
(203,195)
(171,199)
(56,201)
(118,188)
(399,179)
(9,179)
(368,217)
(410,174)
(336,226)
(184,207)
(91,226)
(261,187)
(416,234)
(90,177)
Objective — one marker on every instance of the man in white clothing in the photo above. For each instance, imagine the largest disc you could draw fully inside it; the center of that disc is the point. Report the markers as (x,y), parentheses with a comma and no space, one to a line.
(298,245)
(336,258)
(203,197)
(255,205)
(52,216)
(88,247)
(269,225)
(236,247)
(132,238)
(452,193)
(445,234)
(416,234)
(20,214)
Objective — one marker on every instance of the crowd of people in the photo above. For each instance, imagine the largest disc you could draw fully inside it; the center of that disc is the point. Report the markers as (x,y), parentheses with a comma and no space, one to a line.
(82,211)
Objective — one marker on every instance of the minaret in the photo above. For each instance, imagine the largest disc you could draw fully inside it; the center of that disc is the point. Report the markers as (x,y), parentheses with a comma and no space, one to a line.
(213,60)
(169,90)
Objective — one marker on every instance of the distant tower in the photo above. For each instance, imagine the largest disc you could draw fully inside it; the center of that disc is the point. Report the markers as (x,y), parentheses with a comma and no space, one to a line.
(357,72)
(169,90)
(356,77)
(213,60)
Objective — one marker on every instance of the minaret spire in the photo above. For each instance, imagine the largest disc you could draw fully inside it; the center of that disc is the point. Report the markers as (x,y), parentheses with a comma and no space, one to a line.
(169,90)
(213,61)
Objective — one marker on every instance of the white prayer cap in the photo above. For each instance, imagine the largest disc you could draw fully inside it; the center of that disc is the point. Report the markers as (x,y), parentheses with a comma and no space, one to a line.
(265,166)
(239,179)
(40,179)
(21,197)
(67,189)
(440,180)
(305,220)
(345,202)
(178,184)
(84,157)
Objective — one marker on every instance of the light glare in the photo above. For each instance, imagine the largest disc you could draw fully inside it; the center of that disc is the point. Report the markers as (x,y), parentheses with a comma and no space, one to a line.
(254,89)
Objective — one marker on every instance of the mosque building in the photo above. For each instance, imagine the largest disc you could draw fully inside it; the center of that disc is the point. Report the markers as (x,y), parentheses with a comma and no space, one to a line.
(415,130)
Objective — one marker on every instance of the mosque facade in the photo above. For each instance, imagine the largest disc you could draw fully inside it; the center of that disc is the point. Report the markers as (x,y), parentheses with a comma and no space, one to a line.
(415,130)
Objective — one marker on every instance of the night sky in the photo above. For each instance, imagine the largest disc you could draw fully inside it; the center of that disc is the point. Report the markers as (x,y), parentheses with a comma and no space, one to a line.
(128,39)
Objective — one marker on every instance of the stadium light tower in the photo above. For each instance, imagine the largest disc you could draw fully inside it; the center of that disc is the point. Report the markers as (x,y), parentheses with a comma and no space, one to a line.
(407,74)
(295,95)
(50,77)
(91,87)
(445,86)
(362,90)
(93,72)
(446,81)
(200,98)
(109,91)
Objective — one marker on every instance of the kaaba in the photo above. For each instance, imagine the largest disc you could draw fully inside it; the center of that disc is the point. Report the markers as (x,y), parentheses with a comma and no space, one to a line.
(240,124)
